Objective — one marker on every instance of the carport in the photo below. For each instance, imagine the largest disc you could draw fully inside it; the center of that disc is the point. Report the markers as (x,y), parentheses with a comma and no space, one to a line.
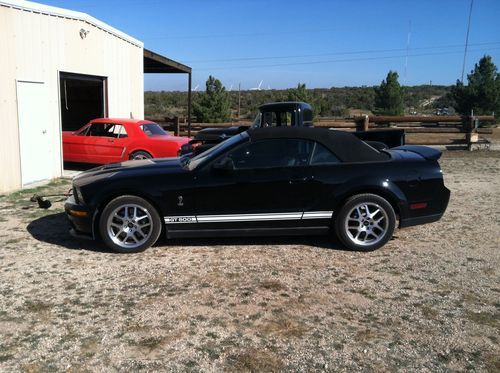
(158,64)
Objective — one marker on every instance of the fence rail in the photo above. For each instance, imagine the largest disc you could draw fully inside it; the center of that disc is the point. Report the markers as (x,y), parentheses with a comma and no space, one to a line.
(423,130)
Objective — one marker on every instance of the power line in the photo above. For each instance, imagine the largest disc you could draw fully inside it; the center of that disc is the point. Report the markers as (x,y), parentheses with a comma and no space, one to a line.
(339,53)
(339,60)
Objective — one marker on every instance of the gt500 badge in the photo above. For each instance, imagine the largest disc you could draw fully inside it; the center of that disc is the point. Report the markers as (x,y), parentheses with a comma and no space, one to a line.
(180,219)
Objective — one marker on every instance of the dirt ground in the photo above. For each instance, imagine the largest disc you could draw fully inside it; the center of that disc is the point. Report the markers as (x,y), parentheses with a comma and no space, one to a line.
(427,301)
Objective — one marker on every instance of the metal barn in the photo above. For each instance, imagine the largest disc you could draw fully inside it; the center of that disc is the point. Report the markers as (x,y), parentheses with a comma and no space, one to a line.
(58,69)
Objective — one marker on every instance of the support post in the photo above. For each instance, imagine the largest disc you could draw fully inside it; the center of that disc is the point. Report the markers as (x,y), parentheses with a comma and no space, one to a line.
(189,105)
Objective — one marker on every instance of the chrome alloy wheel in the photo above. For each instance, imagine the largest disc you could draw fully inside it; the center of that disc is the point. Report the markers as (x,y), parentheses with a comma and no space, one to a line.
(138,157)
(366,224)
(129,226)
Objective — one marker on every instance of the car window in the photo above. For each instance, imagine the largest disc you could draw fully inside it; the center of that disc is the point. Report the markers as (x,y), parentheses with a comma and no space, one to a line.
(278,118)
(272,153)
(322,155)
(307,118)
(83,131)
(153,129)
(107,130)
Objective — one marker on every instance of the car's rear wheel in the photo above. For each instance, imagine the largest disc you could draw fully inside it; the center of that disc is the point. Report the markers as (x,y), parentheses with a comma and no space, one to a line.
(365,222)
(140,155)
(129,224)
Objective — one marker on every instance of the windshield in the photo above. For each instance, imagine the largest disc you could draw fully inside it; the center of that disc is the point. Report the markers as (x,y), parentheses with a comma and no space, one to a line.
(153,129)
(256,121)
(213,152)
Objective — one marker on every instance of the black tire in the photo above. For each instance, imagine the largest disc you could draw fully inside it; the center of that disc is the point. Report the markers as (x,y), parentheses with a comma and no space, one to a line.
(140,154)
(129,224)
(365,222)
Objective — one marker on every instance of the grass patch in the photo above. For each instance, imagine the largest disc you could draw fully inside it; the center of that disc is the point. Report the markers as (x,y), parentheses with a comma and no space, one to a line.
(20,200)
(254,360)
(272,285)
(285,327)
(149,343)
(37,306)
(484,318)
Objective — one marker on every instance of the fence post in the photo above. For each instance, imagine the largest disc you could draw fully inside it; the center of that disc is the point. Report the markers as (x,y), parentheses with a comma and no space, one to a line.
(472,136)
(366,123)
(176,126)
(362,123)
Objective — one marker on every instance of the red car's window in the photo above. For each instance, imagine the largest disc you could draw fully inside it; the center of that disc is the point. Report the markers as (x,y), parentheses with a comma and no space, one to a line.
(107,130)
(153,129)
(83,131)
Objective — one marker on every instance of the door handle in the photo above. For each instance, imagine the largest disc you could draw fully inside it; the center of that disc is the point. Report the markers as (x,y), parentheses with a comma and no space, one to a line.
(294,180)
(111,140)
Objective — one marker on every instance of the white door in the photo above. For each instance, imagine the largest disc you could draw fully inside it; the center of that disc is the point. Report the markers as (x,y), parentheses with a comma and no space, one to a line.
(34,136)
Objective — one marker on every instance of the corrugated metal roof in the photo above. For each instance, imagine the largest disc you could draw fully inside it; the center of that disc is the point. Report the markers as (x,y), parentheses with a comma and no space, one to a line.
(70,14)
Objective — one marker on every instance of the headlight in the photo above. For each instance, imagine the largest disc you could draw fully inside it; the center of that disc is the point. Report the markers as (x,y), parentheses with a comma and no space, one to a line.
(78,195)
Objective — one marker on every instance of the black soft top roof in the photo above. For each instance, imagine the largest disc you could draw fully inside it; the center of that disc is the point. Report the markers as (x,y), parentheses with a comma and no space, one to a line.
(344,145)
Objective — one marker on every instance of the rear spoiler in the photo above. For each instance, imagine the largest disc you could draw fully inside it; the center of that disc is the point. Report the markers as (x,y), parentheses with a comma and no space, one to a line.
(428,153)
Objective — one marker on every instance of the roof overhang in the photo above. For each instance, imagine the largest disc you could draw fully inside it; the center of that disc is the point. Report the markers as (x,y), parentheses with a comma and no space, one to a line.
(156,63)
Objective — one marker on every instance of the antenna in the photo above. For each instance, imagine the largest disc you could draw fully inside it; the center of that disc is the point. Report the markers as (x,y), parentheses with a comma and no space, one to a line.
(407,50)
(467,39)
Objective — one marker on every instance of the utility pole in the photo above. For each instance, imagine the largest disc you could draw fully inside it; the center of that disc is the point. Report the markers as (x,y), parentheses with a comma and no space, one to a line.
(239,100)
(467,39)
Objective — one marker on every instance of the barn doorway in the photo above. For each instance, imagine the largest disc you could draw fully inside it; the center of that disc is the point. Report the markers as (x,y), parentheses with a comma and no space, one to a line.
(82,98)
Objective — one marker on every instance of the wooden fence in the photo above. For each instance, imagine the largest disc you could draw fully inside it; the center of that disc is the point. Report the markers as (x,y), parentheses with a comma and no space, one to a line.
(422,130)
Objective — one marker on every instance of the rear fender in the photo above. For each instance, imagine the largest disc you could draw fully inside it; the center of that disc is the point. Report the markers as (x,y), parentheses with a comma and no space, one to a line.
(381,187)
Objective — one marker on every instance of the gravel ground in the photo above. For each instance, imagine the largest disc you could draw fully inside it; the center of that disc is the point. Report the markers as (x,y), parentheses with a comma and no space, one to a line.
(427,301)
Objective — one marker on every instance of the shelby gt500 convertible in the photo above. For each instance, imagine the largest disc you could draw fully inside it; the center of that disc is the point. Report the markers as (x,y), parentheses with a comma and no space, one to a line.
(265,181)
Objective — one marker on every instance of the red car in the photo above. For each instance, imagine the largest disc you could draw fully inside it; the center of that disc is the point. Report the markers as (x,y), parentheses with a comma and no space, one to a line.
(107,140)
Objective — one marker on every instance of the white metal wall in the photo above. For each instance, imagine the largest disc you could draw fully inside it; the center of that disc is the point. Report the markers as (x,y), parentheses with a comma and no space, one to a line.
(36,47)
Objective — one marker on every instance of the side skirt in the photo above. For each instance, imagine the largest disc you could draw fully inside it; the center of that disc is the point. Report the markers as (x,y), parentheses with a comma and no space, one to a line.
(253,232)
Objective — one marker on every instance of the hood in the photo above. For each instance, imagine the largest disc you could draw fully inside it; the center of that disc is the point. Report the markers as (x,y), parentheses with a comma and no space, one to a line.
(126,169)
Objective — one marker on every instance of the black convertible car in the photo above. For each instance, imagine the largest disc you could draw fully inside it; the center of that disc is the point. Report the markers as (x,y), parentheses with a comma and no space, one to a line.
(270,181)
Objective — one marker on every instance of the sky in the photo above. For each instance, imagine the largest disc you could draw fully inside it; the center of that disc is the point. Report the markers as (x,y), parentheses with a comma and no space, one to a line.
(322,43)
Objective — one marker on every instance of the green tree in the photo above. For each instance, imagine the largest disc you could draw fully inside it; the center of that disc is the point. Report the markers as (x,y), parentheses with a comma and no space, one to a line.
(389,96)
(214,105)
(301,93)
(482,94)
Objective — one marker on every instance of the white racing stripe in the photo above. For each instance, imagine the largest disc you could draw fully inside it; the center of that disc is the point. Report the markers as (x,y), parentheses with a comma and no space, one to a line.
(248,217)
(317,215)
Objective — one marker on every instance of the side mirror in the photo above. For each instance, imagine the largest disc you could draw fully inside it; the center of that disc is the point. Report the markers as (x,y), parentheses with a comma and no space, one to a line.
(224,164)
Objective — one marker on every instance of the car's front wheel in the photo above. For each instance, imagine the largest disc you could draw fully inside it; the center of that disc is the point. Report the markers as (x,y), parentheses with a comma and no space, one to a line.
(365,222)
(129,224)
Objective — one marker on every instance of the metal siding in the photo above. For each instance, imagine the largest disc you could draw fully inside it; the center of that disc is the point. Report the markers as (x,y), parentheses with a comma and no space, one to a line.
(38,46)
